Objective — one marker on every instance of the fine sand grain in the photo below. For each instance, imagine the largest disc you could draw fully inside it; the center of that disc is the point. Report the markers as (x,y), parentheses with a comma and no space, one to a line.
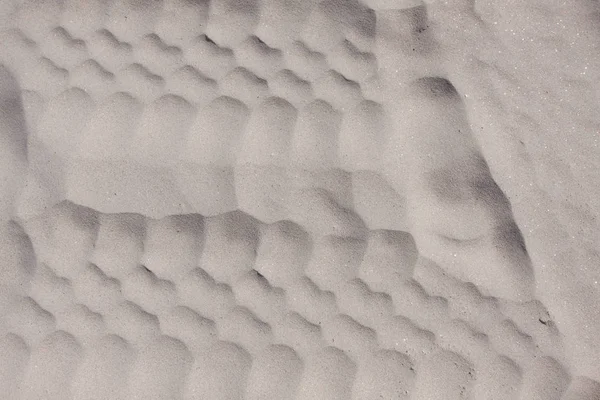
(308,200)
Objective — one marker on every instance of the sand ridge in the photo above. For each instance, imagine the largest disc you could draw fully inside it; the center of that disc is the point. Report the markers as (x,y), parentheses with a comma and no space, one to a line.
(234,199)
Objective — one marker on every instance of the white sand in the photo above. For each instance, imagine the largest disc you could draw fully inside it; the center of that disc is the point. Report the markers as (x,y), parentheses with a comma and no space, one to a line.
(288,199)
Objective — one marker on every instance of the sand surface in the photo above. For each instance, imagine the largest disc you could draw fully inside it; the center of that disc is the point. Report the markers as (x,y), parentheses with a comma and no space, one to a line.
(299,199)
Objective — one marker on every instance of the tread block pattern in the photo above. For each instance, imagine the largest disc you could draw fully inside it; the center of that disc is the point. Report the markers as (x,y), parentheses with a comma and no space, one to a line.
(192,306)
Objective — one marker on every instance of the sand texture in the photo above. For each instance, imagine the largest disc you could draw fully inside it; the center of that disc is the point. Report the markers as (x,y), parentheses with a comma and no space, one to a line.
(299,199)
